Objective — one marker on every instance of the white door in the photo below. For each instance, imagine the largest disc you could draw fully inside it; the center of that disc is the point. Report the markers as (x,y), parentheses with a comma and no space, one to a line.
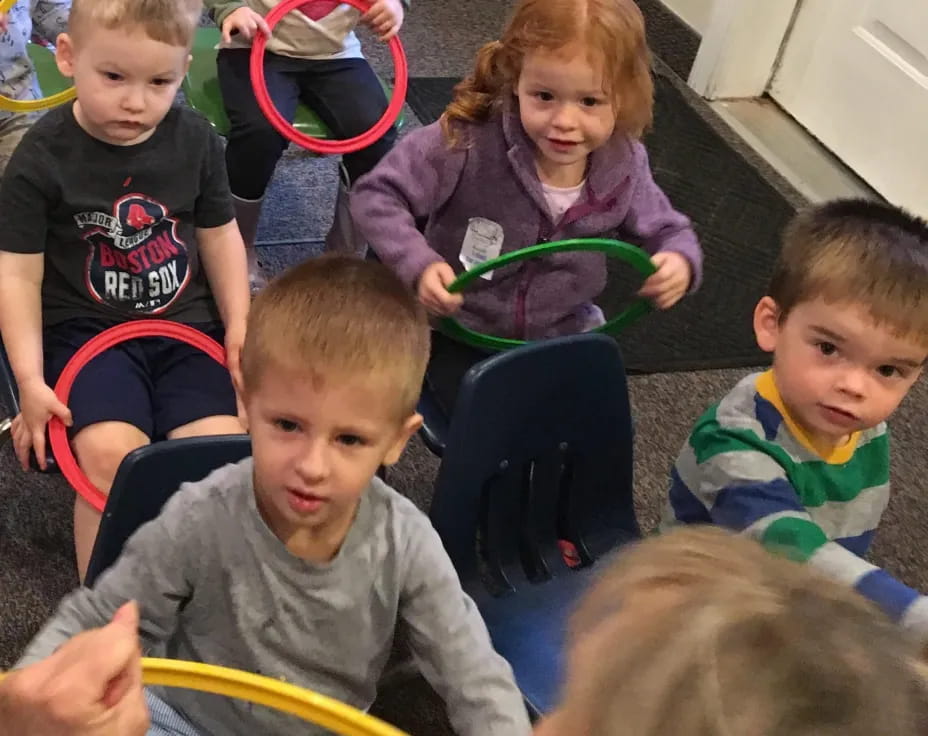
(855,74)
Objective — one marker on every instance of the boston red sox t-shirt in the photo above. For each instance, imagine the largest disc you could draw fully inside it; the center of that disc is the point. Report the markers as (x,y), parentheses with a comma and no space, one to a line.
(117,223)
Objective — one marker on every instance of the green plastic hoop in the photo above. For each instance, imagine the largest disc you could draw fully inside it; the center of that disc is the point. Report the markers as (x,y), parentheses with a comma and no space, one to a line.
(626,252)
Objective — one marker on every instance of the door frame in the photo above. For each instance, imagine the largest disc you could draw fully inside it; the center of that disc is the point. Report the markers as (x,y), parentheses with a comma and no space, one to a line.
(741,47)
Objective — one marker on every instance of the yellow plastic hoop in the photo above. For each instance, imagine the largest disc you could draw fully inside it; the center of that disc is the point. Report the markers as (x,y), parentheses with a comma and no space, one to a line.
(310,706)
(10,105)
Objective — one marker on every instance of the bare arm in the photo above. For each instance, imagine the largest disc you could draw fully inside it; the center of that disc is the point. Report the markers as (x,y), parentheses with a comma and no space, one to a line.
(222,253)
(21,313)
(21,327)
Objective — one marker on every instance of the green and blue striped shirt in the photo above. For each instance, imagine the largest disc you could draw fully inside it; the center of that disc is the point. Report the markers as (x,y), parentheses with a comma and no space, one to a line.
(747,466)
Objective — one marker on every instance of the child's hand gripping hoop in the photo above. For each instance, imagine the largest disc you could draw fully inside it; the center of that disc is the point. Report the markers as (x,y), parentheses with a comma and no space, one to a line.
(11,105)
(318,145)
(58,433)
(635,257)
(310,706)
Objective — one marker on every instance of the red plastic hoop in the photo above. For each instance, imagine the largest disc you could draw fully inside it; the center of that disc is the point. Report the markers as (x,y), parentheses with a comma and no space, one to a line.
(58,433)
(318,145)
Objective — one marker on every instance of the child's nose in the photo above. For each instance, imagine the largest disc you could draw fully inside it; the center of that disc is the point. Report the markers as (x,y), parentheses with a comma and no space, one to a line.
(134,100)
(853,381)
(564,117)
(313,465)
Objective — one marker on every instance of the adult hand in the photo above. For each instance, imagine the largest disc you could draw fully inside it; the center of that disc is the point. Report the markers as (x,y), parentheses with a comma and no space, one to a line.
(385,17)
(433,290)
(244,21)
(92,686)
(669,283)
(38,403)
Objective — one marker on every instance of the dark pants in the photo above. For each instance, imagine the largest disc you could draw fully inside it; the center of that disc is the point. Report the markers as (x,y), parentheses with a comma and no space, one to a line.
(344,93)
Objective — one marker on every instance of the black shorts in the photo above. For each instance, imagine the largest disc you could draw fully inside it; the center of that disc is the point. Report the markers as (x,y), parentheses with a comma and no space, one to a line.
(154,383)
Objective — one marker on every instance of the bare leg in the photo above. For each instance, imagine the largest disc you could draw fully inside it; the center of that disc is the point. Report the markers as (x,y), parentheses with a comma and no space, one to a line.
(99,449)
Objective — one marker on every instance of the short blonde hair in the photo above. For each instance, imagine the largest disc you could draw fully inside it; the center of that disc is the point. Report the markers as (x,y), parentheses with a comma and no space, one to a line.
(172,22)
(612,31)
(861,252)
(703,633)
(344,317)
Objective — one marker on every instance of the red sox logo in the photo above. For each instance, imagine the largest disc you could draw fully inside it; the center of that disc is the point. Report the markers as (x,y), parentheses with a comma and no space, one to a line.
(136,260)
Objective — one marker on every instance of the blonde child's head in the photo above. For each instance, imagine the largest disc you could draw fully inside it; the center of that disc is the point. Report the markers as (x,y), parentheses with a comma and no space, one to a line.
(846,317)
(128,59)
(332,367)
(173,22)
(607,34)
(703,633)
(340,318)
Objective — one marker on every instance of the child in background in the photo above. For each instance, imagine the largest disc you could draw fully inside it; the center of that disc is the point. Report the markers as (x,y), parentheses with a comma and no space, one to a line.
(702,633)
(115,208)
(45,18)
(797,457)
(315,57)
(299,562)
(540,143)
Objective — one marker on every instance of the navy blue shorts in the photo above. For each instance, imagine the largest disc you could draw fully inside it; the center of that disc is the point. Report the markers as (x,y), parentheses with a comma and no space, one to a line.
(154,383)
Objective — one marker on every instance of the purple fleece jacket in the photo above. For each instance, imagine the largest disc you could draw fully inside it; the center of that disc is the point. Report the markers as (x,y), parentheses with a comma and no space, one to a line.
(494,177)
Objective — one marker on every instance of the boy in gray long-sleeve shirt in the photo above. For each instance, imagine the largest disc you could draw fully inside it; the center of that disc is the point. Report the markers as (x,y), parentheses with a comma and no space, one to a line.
(298,563)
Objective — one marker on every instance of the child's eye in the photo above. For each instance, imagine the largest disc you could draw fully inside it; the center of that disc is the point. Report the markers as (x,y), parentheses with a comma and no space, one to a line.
(888,371)
(590,101)
(112,76)
(544,96)
(351,440)
(827,348)
(285,425)
(160,82)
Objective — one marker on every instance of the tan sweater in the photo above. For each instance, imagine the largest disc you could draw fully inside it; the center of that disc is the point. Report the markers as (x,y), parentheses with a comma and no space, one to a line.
(324,30)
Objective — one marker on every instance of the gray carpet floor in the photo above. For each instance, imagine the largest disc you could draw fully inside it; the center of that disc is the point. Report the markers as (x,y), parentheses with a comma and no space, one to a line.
(36,558)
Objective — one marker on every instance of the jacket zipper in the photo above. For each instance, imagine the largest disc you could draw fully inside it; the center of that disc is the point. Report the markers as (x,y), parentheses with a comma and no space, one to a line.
(522,292)
(520,303)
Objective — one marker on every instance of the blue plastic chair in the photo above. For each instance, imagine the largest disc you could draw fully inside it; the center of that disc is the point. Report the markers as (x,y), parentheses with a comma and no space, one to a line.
(539,450)
(147,478)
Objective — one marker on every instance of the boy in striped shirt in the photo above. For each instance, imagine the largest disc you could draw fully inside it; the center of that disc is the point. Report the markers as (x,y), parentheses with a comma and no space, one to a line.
(797,457)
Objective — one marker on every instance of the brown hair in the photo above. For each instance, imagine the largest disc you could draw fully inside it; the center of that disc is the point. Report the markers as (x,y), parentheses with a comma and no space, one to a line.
(862,252)
(172,22)
(611,30)
(340,316)
(703,633)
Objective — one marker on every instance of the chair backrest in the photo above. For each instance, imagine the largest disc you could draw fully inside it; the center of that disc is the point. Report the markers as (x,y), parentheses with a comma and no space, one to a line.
(539,450)
(146,479)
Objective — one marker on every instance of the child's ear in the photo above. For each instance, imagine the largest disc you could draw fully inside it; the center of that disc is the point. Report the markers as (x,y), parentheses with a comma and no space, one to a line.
(767,324)
(407,430)
(187,65)
(64,54)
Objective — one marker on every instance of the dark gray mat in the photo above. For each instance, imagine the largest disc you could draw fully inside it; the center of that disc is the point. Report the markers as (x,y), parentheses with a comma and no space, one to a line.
(737,214)
(670,38)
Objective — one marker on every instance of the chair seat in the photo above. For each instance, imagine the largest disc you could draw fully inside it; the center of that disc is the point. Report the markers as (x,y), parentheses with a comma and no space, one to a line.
(529,628)
(201,88)
(51,81)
